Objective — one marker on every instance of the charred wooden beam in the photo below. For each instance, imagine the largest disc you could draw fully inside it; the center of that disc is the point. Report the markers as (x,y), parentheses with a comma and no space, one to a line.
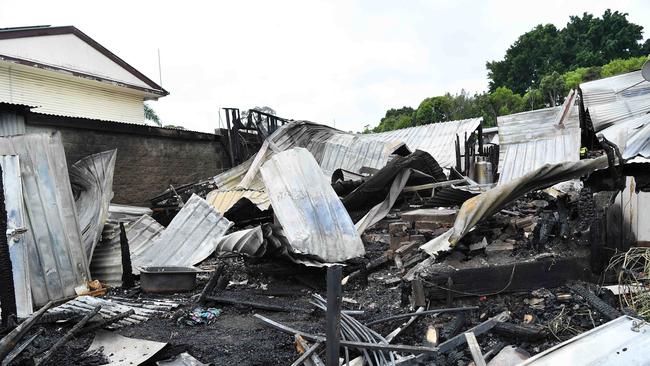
(71,333)
(333,316)
(514,277)
(11,340)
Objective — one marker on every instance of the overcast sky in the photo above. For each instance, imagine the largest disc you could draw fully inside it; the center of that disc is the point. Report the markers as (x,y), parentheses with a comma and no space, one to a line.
(341,63)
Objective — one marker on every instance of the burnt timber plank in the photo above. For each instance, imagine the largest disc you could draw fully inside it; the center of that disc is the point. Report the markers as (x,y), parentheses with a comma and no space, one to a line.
(525,276)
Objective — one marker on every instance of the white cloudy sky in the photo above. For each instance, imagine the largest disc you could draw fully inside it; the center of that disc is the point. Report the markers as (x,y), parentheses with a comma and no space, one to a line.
(333,62)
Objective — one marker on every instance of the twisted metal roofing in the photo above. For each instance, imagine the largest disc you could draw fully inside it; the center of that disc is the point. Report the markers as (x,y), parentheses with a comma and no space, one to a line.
(92,181)
(313,217)
(615,99)
(531,139)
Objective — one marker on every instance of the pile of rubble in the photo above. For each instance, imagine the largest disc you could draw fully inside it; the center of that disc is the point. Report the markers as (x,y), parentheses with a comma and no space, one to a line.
(334,248)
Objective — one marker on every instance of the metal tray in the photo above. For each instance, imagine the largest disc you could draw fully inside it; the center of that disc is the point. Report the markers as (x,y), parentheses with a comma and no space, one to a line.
(168,279)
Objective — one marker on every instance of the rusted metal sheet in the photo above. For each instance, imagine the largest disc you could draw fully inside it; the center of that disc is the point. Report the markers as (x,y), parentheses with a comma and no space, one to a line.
(529,140)
(312,216)
(92,184)
(189,239)
(57,259)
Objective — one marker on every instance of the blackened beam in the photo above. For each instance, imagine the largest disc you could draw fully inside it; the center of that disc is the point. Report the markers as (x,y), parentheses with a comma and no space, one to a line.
(477,330)
(434,311)
(350,344)
(252,304)
(11,340)
(71,333)
(308,352)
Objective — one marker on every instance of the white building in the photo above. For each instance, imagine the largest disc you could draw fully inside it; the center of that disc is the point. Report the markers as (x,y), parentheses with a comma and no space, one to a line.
(61,71)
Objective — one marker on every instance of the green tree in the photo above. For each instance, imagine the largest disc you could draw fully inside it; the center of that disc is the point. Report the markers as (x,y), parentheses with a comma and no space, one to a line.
(552,86)
(150,115)
(534,54)
(585,41)
(533,99)
(620,66)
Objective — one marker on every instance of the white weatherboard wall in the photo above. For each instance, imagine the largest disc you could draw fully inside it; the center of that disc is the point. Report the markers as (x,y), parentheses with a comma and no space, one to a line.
(66,95)
(67,51)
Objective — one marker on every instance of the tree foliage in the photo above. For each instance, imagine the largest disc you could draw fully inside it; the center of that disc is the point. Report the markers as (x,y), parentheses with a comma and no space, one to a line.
(537,71)
(585,41)
(150,115)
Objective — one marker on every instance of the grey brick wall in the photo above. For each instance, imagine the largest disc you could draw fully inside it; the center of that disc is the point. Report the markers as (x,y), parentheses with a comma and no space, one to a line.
(147,163)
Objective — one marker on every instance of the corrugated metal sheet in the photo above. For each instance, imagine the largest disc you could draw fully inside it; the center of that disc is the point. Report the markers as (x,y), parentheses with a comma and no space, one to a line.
(13,193)
(68,95)
(622,341)
(632,136)
(122,213)
(106,265)
(223,200)
(630,213)
(334,149)
(92,183)
(11,123)
(313,217)
(189,239)
(529,140)
(143,308)
(57,260)
(615,99)
(249,242)
(475,209)
(438,139)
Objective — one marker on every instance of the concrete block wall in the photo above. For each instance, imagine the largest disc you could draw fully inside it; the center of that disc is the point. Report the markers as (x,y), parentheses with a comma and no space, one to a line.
(148,159)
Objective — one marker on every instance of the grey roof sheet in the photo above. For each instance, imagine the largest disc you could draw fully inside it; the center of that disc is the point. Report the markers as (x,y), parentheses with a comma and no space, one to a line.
(189,239)
(14,205)
(438,139)
(92,182)
(313,217)
(615,99)
(57,259)
(531,139)
(106,264)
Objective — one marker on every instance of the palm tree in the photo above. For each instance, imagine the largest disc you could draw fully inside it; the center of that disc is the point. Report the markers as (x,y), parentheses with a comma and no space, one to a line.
(150,114)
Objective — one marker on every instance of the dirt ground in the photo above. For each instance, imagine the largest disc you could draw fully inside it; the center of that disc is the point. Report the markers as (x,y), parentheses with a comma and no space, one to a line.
(237,338)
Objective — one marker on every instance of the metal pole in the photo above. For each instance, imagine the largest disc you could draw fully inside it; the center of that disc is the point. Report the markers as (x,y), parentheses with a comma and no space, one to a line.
(333,316)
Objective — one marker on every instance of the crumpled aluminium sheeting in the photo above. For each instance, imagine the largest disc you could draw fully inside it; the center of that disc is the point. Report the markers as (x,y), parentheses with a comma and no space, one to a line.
(615,99)
(106,264)
(487,203)
(312,216)
(249,242)
(92,183)
(332,149)
(189,239)
(631,136)
(57,260)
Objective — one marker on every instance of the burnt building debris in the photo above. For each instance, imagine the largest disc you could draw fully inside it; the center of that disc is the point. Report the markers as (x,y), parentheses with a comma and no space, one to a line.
(439,244)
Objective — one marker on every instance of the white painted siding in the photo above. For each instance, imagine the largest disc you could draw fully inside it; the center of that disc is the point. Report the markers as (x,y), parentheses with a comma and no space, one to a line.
(69,52)
(64,95)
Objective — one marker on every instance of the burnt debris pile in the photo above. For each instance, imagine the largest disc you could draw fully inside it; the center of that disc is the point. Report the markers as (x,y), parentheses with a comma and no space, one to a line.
(440,244)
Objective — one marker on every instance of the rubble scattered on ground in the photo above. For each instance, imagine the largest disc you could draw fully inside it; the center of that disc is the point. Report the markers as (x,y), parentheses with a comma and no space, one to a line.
(392,259)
